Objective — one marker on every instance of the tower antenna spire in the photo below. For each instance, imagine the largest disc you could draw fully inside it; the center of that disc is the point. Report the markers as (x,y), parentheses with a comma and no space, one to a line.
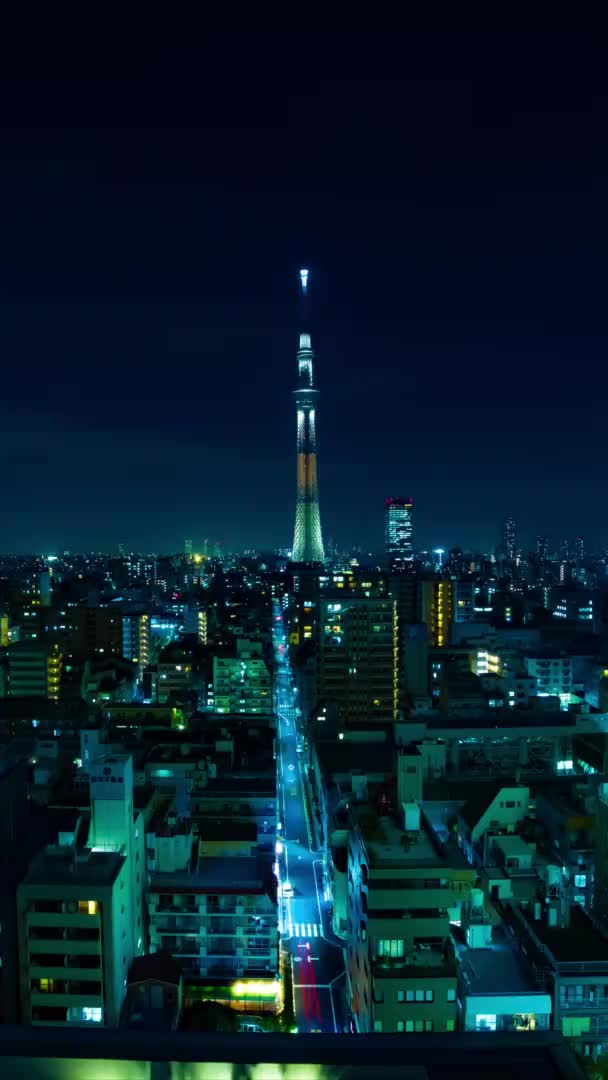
(308,541)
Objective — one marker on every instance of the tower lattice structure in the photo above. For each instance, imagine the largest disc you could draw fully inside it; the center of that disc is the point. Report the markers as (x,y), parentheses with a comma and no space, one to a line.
(307,540)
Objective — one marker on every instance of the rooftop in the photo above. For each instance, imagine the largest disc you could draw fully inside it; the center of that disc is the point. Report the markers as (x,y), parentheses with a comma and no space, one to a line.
(227,829)
(504,720)
(388,844)
(513,845)
(349,757)
(66,866)
(496,969)
(215,874)
(579,942)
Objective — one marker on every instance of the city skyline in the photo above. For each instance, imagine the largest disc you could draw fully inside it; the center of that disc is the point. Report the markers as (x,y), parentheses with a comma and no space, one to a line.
(148,305)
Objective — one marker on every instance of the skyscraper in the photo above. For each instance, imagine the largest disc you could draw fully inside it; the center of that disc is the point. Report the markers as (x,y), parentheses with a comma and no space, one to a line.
(307,541)
(542,548)
(509,540)
(398,532)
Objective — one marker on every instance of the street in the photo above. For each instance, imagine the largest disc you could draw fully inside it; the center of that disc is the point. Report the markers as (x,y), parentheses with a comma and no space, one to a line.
(317,958)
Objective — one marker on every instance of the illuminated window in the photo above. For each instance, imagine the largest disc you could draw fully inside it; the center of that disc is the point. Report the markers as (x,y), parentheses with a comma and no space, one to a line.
(47,986)
(88,907)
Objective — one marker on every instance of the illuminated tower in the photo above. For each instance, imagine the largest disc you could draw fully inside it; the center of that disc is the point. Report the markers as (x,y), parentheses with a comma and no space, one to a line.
(307,540)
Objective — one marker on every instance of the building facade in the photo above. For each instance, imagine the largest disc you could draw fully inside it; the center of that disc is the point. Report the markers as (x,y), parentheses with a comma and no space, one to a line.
(398,544)
(359,659)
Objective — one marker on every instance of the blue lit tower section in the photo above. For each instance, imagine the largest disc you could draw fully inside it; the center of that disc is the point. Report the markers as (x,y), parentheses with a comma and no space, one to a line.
(307,540)
(398,532)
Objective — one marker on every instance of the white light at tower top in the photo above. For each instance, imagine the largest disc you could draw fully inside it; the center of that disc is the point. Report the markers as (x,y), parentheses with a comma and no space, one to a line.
(304,279)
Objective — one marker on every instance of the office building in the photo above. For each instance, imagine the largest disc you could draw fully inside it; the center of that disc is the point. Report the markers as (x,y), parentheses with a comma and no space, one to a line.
(398,533)
(307,541)
(359,659)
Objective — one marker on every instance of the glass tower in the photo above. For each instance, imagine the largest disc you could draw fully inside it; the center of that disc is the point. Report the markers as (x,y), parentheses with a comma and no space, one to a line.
(398,532)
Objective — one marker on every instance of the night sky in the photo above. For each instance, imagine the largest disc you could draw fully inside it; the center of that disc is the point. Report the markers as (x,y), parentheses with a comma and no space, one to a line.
(450,199)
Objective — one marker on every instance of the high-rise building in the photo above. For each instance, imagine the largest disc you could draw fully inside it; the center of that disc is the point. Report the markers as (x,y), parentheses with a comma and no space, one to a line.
(579,549)
(94,630)
(542,548)
(509,539)
(34,670)
(437,609)
(117,826)
(307,541)
(242,683)
(136,640)
(44,588)
(188,547)
(359,659)
(398,532)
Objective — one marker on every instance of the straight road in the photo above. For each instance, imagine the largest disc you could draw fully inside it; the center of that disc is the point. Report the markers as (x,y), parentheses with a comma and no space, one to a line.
(317,958)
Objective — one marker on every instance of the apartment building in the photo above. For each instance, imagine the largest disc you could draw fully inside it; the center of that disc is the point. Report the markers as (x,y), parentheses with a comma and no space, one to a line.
(403,889)
(218,917)
(73,922)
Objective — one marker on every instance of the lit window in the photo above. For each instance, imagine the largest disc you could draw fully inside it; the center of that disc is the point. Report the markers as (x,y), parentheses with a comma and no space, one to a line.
(88,907)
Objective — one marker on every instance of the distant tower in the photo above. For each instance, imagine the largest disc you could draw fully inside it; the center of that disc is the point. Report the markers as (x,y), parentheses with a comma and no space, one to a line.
(307,540)
(509,540)
(188,547)
(398,532)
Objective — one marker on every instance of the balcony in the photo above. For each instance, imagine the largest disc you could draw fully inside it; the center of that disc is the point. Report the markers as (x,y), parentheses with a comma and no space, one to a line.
(60,941)
(63,919)
(64,972)
(76,999)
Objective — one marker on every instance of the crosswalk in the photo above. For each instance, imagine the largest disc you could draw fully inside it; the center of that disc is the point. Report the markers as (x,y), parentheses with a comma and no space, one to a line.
(305,930)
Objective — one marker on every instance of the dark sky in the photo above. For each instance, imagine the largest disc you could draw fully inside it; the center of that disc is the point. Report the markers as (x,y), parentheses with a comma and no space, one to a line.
(448,191)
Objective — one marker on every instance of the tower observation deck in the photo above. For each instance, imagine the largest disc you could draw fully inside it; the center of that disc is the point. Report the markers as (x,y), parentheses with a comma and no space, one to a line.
(307,540)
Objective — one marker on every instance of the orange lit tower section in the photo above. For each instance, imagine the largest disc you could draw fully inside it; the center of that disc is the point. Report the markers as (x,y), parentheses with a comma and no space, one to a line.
(307,541)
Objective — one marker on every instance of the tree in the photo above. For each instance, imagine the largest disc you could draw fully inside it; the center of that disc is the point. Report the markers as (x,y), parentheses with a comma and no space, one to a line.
(209,1016)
